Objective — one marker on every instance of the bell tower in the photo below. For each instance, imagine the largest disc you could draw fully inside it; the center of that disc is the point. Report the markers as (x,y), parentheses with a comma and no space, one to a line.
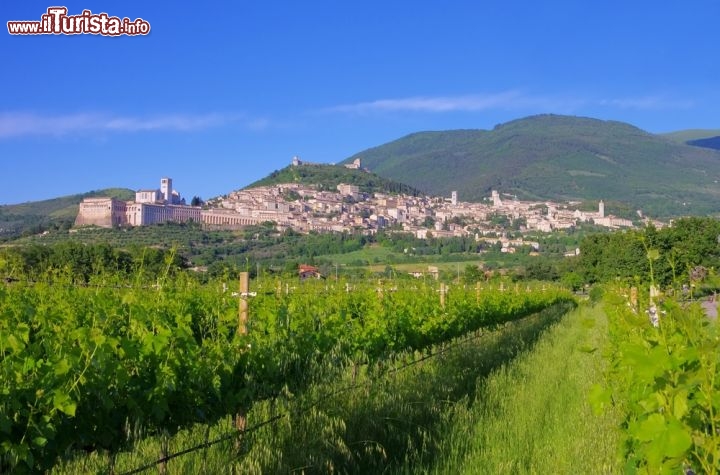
(166,189)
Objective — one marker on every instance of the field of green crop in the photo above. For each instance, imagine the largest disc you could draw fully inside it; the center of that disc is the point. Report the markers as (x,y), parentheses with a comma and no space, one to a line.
(82,365)
(122,375)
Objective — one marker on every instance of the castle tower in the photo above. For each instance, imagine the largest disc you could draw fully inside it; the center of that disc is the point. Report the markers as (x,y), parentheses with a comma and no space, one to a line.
(453,198)
(166,189)
(601,209)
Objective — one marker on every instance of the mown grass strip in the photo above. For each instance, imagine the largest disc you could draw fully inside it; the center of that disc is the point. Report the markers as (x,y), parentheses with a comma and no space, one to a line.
(533,415)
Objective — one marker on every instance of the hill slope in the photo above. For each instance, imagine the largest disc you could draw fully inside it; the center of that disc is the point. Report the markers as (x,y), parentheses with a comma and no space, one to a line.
(35,216)
(556,157)
(327,177)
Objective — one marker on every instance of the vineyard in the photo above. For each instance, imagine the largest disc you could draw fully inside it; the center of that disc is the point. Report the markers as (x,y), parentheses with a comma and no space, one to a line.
(119,375)
(84,365)
(663,374)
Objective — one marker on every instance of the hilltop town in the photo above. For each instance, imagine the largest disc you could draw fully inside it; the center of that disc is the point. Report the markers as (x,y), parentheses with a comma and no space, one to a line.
(305,208)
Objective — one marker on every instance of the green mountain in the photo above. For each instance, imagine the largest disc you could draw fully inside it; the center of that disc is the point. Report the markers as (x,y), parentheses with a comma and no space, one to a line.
(37,216)
(710,142)
(327,177)
(560,158)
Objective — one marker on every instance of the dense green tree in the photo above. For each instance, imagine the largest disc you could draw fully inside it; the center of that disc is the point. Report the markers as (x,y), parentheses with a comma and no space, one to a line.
(688,243)
(541,269)
(572,280)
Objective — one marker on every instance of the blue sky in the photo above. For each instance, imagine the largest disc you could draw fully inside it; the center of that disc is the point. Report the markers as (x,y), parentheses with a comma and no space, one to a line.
(222,93)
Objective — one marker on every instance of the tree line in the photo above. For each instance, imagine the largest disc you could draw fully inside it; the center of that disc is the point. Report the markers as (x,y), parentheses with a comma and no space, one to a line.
(678,253)
(686,252)
(82,261)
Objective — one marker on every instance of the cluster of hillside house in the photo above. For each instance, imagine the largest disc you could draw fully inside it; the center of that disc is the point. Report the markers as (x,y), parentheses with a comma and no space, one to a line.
(305,208)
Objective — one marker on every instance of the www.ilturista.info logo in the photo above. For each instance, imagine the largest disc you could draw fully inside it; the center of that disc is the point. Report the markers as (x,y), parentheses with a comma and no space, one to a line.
(57,22)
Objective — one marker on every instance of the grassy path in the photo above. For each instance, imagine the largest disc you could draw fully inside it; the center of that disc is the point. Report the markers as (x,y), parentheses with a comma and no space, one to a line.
(532,415)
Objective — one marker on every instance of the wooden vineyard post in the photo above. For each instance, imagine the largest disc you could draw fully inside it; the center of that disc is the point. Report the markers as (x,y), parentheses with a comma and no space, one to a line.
(240,420)
(243,312)
(162,466)
(634,299)
(111,464)
(654,293)
(443,290)
(477,293)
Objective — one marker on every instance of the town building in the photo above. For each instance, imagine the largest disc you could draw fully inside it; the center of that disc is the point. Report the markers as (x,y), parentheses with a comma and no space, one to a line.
(150,207)
(104,211)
